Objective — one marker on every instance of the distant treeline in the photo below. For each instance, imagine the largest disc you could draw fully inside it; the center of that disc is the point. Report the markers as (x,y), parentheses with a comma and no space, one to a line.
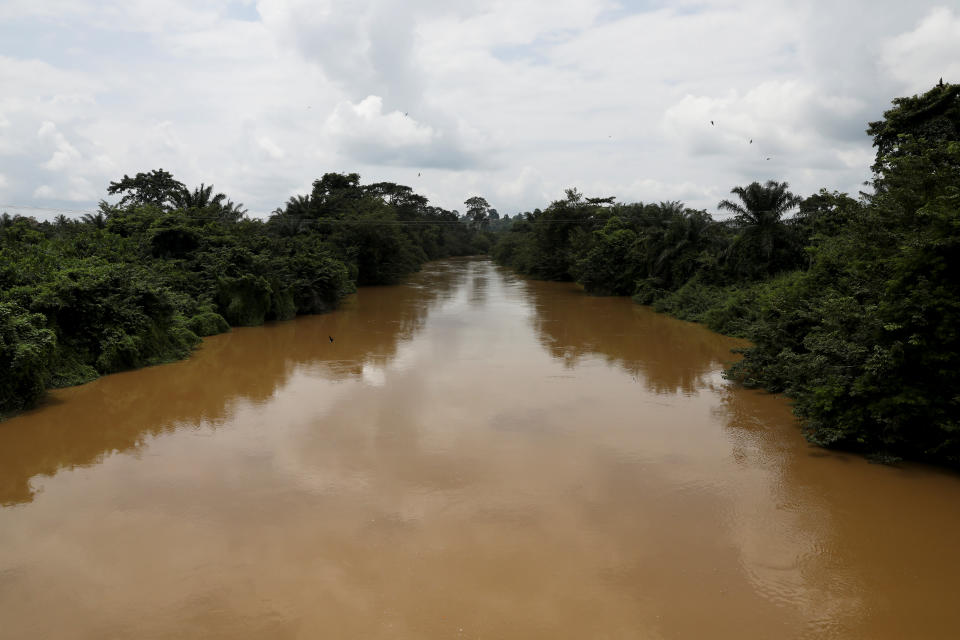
(141,281)
(852,304)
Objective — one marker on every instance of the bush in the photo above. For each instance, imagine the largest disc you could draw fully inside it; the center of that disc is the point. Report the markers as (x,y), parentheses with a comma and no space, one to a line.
(208,323)
(26,349)
(692,301)
(244,301)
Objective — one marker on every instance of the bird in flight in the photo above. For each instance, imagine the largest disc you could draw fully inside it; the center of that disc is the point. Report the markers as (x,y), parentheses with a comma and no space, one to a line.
(711,123)
(768,157)
(331,338)
(751,140)
(418,174)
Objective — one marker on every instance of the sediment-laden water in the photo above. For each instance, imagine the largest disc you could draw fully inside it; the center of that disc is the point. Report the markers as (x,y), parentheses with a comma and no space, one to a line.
(474,455)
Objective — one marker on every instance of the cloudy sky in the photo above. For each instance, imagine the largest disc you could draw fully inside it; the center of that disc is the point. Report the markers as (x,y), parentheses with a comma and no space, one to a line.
(514,100)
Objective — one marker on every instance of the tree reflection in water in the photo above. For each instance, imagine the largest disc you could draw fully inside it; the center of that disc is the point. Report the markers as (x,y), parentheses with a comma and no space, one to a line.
(668,356)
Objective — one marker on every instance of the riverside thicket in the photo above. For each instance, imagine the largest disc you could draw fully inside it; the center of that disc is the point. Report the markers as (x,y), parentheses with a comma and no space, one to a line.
(852,305)
(141,281)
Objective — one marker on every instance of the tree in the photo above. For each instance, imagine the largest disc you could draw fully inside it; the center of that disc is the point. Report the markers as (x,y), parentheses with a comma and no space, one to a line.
(96,220)
(672,207)
(200,198)
(823,215)
(26,346)
(688,235)
(335,194)
(933,116)
(865,341)
(478,211)
(231,212)
(203,199)
(610,266)
(761,228)
(157,187)
(62,224)
(297,207)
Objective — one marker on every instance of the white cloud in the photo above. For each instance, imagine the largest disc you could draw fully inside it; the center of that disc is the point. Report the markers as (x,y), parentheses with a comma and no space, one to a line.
(527,186)
(778,117)
(366,122)
(64,154)
(270,147)
(364,46)
(45,192)
(930,51)
(367,134)
(856,158)
(514,100)
(75,189)
(119,15)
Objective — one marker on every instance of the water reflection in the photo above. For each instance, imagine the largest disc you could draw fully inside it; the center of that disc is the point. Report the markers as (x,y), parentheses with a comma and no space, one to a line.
(478,288)
(817,545)
(666,355)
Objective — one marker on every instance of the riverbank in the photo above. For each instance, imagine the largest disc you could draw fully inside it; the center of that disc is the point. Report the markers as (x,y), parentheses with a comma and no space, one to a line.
(142,281)
(850,303)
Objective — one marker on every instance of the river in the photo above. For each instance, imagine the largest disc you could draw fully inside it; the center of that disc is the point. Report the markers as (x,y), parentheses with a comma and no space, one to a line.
(474,455)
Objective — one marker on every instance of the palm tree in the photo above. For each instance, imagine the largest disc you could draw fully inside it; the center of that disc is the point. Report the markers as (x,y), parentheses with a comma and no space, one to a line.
(286,225)
(61,223)
(686,236)
(759,216)
(671,208)
(298,207)
(232,212)
(200,198)
(204,199)
(98,220)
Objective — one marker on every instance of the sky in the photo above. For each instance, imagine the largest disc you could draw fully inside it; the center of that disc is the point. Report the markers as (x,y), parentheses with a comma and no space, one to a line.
(513,100)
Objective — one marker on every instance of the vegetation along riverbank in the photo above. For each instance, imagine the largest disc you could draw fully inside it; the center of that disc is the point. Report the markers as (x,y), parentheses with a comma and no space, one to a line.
(852,304)
(142,280)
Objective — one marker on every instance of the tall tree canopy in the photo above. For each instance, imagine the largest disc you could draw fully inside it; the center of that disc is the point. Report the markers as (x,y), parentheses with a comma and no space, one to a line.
(933,116)
(157,187)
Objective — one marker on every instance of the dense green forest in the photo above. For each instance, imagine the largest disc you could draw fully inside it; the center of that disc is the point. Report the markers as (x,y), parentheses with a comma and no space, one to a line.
(141,281)
(852,304)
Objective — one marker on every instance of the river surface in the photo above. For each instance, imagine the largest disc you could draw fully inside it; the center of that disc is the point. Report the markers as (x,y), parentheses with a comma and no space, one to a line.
(475,455)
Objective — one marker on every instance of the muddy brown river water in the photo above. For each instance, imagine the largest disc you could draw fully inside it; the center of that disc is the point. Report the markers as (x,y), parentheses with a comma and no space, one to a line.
(474,456)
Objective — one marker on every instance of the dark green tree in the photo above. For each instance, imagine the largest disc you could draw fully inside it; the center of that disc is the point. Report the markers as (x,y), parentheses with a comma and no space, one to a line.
(96,220)
(933,116)
(759,216)
(157,187)
(200,198)
(478,211)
